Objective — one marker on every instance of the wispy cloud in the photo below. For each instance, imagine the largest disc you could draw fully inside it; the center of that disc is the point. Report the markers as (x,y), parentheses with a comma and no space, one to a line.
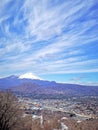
(48,37)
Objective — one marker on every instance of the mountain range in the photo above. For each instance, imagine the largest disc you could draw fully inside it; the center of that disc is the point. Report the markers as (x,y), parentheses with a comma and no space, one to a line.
(41,88)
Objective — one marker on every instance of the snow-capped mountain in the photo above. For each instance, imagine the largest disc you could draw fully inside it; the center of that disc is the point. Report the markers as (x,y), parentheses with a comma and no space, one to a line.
(29,76)
(29,83)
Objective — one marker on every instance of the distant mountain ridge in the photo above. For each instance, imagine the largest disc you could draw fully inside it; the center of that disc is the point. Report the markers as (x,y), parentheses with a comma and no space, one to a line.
(42,87)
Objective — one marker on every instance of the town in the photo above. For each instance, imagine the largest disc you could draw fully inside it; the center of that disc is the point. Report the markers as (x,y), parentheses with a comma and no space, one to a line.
(67,112)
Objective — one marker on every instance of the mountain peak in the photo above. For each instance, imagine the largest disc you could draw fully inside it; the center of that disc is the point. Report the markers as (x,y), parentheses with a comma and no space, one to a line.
(28,76)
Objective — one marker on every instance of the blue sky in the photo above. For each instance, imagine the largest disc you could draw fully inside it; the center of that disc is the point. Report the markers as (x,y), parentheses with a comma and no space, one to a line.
(53,39)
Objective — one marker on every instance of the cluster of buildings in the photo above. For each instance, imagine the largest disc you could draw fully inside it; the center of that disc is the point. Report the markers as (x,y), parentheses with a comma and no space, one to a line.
(84,107)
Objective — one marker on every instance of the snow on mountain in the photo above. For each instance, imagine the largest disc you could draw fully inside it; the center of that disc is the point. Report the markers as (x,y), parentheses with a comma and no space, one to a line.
(29,76)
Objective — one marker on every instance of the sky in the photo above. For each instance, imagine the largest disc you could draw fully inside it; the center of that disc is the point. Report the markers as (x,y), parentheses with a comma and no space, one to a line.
(55,40)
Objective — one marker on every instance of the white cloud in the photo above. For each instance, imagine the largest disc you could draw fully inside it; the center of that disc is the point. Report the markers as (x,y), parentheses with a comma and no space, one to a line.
(51,41)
